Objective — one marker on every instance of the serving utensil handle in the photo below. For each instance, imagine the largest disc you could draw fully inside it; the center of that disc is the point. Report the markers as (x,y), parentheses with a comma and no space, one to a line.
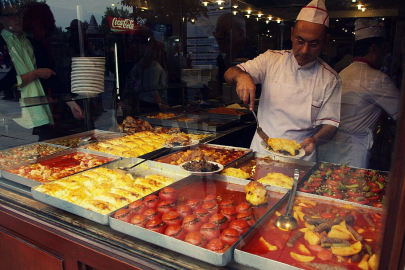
(292,192)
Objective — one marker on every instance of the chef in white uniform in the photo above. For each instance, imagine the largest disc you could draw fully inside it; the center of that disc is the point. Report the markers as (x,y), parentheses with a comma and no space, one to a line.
(366,91)
(300,99)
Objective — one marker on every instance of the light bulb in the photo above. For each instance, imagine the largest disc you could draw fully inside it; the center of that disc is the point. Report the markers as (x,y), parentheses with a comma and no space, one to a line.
(249,11)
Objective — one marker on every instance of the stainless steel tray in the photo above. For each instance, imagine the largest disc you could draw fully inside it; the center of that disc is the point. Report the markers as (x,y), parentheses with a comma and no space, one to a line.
(59,147)
(148,167)
(298,162)
(236,161)
(175,122)
(220,259)
(259,262)
(247,116)
(100,135)
(157,121)
(31,183)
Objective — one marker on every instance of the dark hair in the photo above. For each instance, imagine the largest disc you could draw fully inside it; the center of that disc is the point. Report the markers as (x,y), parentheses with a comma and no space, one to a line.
(362,46)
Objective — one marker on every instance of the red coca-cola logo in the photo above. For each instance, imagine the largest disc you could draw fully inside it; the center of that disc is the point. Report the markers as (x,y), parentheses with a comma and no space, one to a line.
(121,24)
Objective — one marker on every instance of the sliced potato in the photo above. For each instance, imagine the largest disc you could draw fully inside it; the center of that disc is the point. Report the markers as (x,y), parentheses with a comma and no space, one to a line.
(373,262)
(304,230)
(304,249)
(309,226)
(308,202)
(303,204)
(347,251)
(301,258)
(267,244)
(312,238)
(363,264)
(301,215)
(339,235)
(277,213)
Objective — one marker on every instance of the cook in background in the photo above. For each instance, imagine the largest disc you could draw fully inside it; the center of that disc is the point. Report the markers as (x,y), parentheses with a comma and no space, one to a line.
(146,86)
(30,73)
(300,97)
(366,92)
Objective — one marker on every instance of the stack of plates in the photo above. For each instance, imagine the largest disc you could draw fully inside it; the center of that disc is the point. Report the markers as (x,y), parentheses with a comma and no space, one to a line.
(87,75)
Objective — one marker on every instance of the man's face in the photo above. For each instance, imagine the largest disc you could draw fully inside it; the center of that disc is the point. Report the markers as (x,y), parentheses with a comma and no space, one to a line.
(308,39)
(12,19)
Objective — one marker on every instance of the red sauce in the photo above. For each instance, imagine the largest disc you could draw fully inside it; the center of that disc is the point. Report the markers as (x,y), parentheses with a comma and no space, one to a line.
(56,168)
(268,230)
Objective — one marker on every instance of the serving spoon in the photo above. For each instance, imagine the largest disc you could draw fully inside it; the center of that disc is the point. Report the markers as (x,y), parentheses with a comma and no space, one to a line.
(287,222)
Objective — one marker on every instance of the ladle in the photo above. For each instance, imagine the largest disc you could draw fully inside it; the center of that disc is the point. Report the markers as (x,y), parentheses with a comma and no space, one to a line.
(287,222)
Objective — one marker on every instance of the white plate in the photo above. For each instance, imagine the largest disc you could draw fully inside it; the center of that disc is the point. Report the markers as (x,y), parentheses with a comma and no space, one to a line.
(300,154)
(88,60)
(84,91)
(87,70)
(87,87)
(87,76)
(89,67)
(88,81)
(220,168)
(179,147)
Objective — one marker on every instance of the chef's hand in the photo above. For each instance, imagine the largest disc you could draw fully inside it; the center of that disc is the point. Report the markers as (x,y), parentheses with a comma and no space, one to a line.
(246,90)
(76,110)
(308,144)
(245,87)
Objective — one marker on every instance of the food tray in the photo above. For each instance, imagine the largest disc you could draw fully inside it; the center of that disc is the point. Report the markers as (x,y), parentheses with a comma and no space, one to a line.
(72,141)
(266,163)
(170,157)
(343,180)
(214,124)
(148,167)
(157,121)
(246,116)
(177,122)
(196,188)
(259,262)
(25,157)
(31,183)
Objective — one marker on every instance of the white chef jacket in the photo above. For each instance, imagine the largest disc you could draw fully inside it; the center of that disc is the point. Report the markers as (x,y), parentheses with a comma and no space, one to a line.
(295,99)
(365,93)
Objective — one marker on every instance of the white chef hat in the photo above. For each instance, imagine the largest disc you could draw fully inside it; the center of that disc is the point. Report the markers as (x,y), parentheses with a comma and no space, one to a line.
(315,12)
(367,28)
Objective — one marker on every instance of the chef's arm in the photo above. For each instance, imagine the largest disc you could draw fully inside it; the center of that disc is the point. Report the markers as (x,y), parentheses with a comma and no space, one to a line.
(40,73)
(245,87)
(324,134)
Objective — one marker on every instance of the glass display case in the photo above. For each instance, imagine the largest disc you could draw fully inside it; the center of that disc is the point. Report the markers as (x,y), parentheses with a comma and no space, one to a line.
(99,72)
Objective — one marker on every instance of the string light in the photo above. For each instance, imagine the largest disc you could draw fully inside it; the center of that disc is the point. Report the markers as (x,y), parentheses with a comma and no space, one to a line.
(205,3)
(267,22)
(220,2)
(259,15)
(358,7)
(248,16)
(363,9)
(270,18)
(234,12)
(221,7)
(235,6)
(249,11)
(278,21)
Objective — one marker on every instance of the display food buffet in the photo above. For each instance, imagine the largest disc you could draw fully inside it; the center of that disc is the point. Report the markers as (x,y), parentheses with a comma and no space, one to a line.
(130,192)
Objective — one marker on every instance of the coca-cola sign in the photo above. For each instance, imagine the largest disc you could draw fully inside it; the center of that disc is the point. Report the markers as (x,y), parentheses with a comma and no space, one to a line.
(121,24)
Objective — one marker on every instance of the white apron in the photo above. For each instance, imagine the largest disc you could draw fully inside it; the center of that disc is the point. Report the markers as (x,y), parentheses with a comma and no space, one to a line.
(286,111)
